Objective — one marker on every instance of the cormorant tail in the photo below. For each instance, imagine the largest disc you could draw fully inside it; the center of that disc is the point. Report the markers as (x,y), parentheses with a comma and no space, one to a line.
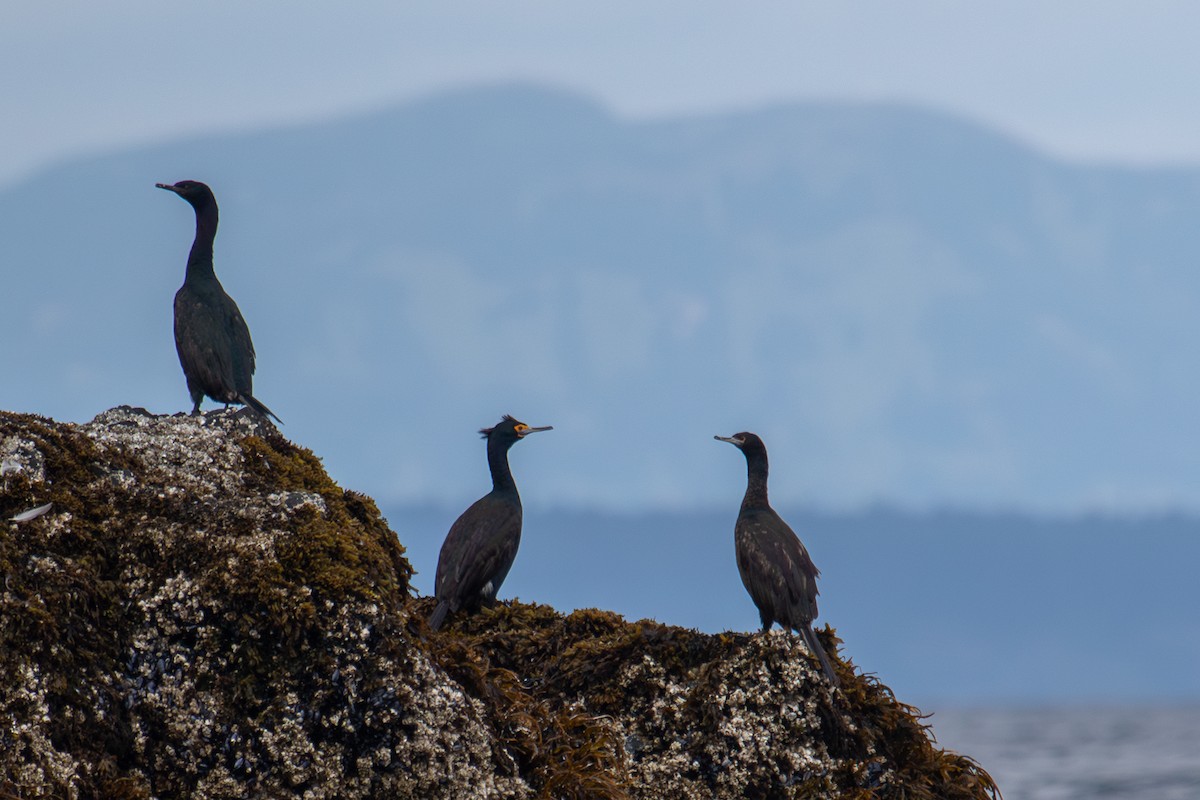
(810,638)
(257,405)
(439,615)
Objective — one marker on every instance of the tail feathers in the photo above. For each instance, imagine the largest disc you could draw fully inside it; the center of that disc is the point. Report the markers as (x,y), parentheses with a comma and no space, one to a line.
(814,644)
(439,615)
(257,405)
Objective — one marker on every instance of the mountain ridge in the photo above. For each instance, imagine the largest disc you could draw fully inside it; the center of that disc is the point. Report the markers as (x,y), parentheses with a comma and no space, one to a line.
(910,309)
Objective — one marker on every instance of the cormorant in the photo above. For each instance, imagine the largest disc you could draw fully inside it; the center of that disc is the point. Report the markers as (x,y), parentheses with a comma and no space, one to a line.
(211,336)
(775,568)
(482,543)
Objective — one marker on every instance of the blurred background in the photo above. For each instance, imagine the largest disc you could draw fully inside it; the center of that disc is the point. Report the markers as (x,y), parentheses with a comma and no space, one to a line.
(942,257)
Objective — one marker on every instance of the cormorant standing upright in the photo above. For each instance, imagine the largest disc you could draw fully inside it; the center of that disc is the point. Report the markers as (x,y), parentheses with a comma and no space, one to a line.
(482,543)
(775,568)
(211,337)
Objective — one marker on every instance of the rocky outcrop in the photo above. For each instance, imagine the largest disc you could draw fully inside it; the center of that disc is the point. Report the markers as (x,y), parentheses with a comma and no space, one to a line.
(202,613)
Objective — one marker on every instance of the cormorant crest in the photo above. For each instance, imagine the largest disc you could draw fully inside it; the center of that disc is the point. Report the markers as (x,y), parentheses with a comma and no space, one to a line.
(486,432)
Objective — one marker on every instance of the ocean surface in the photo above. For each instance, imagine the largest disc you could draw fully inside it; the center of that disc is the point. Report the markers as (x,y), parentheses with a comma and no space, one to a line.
(1009,621)
(1118,753)
(976,610)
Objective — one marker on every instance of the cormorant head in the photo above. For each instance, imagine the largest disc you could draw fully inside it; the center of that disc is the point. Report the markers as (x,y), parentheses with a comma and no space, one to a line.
(745,441)
(508,431)
(195,192)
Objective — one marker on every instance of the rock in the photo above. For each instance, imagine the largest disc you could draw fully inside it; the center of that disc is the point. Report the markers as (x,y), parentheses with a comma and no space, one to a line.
(204,613)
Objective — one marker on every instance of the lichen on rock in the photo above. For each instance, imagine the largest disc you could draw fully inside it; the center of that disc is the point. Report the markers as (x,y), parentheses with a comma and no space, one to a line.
(204,613)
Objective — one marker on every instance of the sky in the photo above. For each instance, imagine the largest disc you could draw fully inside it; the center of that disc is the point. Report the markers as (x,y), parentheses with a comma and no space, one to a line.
(1088,80)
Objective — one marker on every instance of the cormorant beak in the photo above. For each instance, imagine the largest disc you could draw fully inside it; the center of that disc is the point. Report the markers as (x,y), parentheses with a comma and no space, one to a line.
(733,440)
(168,187)
(527,431)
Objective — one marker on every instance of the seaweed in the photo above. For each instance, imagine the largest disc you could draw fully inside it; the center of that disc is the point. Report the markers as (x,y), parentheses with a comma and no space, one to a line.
(532,663)
(205,613)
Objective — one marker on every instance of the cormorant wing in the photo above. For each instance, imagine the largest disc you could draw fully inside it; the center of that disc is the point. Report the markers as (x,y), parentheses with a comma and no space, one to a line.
(241,348)
(213,342)
(204,344)
(776,568)
(480,548)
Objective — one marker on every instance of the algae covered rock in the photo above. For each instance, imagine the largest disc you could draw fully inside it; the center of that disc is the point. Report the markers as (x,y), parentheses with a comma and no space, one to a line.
(203,613)
(670,712)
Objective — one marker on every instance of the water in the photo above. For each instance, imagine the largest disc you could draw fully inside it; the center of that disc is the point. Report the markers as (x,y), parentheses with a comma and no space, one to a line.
(1081,754)
(937,605)
(954,624)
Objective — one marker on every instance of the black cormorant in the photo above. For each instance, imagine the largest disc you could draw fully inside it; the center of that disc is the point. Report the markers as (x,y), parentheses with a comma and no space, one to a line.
(211,337)
(482,543)
(775,568)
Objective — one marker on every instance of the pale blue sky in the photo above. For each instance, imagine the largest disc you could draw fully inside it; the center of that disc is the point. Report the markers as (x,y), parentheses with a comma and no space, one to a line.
(1081,79)
(1078,78)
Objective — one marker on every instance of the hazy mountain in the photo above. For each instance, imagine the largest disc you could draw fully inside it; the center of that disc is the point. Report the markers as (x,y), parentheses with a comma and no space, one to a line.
(907,306)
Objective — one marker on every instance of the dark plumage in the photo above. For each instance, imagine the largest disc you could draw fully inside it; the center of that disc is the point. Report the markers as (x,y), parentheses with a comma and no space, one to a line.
(211,336)
(482,543)
(775,568)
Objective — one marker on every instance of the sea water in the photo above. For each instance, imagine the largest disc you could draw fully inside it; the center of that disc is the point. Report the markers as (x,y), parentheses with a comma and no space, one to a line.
(1120,753)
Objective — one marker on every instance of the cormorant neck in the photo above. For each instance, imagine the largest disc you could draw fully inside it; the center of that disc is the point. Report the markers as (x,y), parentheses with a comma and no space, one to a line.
(756,481)
(502,479)
(200,259)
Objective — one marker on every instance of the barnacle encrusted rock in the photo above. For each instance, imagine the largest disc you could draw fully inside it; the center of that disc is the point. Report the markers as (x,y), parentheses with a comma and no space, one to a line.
(204,613)
(670,712)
